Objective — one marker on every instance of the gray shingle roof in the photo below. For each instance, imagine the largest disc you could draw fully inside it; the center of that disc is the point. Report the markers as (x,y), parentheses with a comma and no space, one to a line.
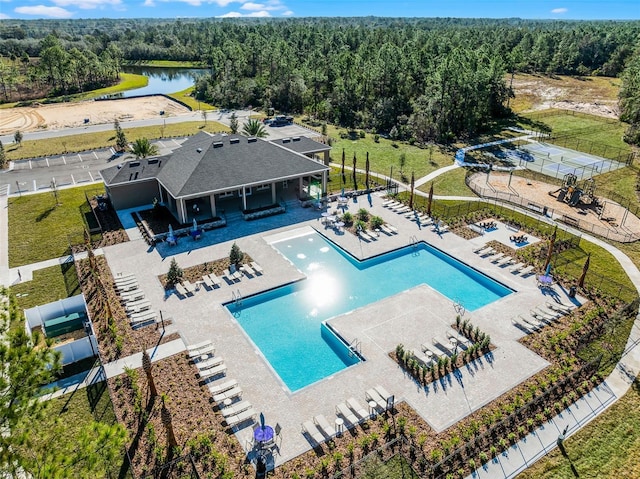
(210,163)
(135,170)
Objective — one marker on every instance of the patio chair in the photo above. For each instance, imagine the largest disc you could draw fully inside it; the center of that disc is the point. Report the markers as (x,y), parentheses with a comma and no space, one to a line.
(235,409)
(559,307)
(229,276)
(435,352)
(201,345)
(527,271)
(422,358)
(517,268)
(426,221)
(257,268)
(447,345)
(389,398)
(487,252)
(215,280)
(532,321)
(497,257)
(209,363)
(357,409)
(234,392)
(189,286)
(373,395)
(386,230)
(182,291)
(207,281)
(212,372)
(233,421)
(309,428)
(442,229)
(452,333)
(248,270)
(505,261)
(198,353)
(343,410)
(323,425)
(522,324)
(217,388)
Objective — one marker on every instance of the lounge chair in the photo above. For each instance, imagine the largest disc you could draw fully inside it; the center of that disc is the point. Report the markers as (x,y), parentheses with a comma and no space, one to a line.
(533,322)
(132,295)
(235,391)
(214,279)
(373,234)
(559,307)
(435,352)
(247,270)
(386,230)
(387,203)
(138,306)
(550,312)
(373,395)
(497,257)
(139,319)
(523,324)
(125,280)
(343,410)
(211,372)
(480,249)
(127,287)
(182,291)
(517,268)
(235,409)
(389,398)
(452,333)
(505,261)
(363,234)
(447,345)
(357,409)
(217,388)
(190,287)
(402,210)
(426,222)
(198,346)
(209,363)
(412,215)
(241,417)
(323,425)
(526,271)
(211,349)
(308,427)
(231,277)
(538,314)
(424,359)
(207,281)
(393,229)
(487,252)
(257,268)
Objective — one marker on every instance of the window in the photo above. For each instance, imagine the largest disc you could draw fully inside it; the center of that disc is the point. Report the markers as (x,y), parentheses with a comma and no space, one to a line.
(266,186)
(247,191)
(226,194)
(285,184)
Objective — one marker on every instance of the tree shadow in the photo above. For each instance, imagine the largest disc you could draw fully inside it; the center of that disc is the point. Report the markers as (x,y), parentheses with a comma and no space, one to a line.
(45,214)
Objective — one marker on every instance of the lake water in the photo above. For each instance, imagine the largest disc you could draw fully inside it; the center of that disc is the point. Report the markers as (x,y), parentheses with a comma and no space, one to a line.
(162,80)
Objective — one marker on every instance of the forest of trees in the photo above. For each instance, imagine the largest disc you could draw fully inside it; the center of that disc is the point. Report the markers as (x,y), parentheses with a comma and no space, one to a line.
(420,79)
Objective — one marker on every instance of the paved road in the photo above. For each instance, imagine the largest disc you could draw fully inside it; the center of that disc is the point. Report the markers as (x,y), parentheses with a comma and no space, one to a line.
(74,169)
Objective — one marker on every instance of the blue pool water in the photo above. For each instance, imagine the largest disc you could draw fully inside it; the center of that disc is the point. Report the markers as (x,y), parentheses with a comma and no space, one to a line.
(286,323)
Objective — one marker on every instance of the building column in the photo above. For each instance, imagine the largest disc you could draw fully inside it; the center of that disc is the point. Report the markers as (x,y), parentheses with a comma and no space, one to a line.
(327,158)
(300,190)
(324,182)
(182,214)
(160,193)
(212,202)
(273,192)
(244,198)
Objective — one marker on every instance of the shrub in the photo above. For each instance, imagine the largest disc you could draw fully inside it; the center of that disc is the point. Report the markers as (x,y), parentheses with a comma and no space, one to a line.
(347,218)
(363,214)
(376,138)
(235,255)
(376,222)
(174,275)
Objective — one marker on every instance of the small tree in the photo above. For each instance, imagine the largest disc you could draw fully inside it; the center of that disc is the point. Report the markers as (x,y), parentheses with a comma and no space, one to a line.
(174,275)
(363,215)
(121,139)
(255,128)
(167,422)
(142,148)
(3,156)
(205,113)
(235,255)
(17,137)
(402,160)
(233,123)
(147,368)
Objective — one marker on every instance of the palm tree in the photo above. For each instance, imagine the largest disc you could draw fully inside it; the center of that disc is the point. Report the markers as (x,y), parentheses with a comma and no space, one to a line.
(254,128)
(146,367)
(142,148)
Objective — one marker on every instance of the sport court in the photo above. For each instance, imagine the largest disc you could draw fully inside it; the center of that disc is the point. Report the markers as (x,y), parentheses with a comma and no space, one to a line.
(553,160)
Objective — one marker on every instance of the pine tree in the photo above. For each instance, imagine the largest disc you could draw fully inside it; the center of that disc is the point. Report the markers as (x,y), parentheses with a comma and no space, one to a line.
(146,367)
(3,156)
(236,255)
(233,123)
(174,275)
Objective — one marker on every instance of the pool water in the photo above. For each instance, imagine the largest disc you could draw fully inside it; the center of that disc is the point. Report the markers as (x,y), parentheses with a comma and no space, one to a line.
(286,323)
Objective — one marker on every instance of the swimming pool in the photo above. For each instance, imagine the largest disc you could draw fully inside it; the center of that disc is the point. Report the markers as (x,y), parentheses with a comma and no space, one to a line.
(286,323)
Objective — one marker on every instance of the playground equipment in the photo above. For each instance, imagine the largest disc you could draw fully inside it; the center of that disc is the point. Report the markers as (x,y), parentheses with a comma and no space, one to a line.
(572,192)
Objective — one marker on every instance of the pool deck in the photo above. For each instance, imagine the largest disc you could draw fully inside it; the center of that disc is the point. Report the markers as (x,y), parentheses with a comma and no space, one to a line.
(410,317)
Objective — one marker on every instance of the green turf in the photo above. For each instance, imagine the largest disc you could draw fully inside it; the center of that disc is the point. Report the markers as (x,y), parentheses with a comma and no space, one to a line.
(395,468)
(128,81)
(40,230)
(185,96)
(48,285)
(607,448)
(450,183)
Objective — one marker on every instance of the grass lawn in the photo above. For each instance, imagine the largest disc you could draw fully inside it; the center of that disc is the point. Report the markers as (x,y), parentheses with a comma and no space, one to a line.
(395,468)
(167,64)
(128,81)
(606,448)
(185,97)
(383,155)
(450,183)
(48,285)
(39,230)
(104,139)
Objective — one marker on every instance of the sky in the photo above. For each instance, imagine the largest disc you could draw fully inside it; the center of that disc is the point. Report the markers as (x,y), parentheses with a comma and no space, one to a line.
(531,9)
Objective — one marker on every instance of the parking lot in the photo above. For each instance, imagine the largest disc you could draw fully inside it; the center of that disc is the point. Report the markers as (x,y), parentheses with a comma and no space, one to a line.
(38,174)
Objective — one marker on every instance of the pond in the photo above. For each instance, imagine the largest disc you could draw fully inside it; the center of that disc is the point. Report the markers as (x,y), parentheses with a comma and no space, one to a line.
(162,80)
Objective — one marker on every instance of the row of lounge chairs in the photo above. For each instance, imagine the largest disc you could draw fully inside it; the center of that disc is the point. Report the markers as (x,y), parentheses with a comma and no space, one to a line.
(441,347)
(503,260)
(136,305)
(351,412)
(226,393)
(542,316)
(211,281)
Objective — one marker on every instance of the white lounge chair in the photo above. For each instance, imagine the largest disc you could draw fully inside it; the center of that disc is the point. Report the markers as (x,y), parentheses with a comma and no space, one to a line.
(324,426)
(480,249)
(228,394)
(310,428)
(487,252)
(198,353)
(373,395)
(132,295)
(217,388)
(435,352)
(209,363)
(389,398)
(373,235)
(197,346)
(505,261)
(128,278)
(363,234)
(522,324)
(357,409)
(386,230)
(182,291)
(235,409)
(211,372)
(257,268)
(248,270)
(528,270)
(517,268)
(452,333)
(127,287)
(543,316)
(239,418)
(445,344)
(207,281)
(189,286)
(143,316)
(497,257)
(424,359)
(393,229)
(535,323)
(343,410)
(231,277)
(559,307)
(214,279)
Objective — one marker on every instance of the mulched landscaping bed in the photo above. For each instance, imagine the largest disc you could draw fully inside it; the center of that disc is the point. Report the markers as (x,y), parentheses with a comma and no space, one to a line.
(112,230)
(195,273)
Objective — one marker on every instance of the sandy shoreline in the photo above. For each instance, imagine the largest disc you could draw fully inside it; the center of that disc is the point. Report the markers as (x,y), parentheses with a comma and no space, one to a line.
(69,115)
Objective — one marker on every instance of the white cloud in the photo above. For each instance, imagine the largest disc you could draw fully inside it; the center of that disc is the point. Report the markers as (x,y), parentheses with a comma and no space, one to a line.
(87,4)
(42,11)
(560,10)
(288,13)
(149,3)
(268,6)
(260,14)
(4,16)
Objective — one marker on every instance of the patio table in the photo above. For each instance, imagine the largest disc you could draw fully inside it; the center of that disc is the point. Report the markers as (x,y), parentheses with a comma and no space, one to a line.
(263,434)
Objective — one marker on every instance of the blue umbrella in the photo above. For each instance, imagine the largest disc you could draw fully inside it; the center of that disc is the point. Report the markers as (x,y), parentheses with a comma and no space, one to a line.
(261,421)
(548,270)
(195,225)
(170,231)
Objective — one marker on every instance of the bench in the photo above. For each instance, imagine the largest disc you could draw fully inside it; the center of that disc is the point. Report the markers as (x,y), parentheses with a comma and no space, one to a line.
(570,221)
(477,229)
(536,207)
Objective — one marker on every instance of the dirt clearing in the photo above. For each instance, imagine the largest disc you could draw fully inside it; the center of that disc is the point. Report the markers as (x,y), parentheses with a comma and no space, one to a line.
(69,115)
